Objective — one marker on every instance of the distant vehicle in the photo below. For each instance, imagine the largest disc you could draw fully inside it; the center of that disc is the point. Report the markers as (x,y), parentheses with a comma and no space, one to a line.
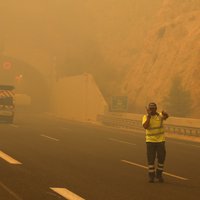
(7,103)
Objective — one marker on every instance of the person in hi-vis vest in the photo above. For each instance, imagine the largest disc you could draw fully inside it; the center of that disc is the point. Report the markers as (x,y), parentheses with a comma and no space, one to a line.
(155,141)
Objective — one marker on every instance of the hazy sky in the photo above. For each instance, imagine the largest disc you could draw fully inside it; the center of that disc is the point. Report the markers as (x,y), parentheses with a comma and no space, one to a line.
(91,31)
(42,24)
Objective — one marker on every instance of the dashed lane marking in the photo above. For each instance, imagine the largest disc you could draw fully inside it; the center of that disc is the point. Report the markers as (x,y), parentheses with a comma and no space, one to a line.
(182,143)
(198,146)
(142,166)
(66,194)
(9,159)
(14,125)
(13,194)
(64,128)
(121,141)
(51,138)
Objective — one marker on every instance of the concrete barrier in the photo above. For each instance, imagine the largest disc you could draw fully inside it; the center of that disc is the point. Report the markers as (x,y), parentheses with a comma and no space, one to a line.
(179,126)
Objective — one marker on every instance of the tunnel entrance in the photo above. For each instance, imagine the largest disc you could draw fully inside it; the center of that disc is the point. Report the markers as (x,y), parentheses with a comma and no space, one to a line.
(27,80)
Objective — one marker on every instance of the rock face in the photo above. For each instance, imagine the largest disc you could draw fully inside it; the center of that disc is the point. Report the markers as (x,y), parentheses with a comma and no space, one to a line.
(172,49)
(120,27)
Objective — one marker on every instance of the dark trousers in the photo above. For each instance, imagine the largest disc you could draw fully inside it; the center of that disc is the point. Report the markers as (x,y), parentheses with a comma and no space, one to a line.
(156,150)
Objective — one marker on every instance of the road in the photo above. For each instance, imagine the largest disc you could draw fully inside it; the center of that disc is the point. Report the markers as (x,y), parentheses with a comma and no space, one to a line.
(44,158)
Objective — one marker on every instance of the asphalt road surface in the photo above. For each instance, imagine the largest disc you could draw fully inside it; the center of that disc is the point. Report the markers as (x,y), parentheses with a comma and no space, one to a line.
(44,158)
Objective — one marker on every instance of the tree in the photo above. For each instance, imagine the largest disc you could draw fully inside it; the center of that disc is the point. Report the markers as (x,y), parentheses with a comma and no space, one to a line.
(178,102)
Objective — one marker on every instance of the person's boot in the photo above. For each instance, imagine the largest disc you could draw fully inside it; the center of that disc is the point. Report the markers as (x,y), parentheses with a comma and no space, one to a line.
(159,176)
(151,177)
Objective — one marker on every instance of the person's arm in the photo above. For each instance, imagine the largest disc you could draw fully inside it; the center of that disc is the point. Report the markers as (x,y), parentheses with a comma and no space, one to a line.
(148,117)
(164,115)
(147,122)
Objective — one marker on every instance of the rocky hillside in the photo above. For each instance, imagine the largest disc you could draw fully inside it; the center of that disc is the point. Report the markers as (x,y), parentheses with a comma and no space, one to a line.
(120,28)
(167,70)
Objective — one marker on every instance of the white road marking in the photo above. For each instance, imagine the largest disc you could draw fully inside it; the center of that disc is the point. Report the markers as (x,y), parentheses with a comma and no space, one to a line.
(64,128)
(51,138)
(10,191)
(121,141)
(66,194)
(138,165)
(142,166)
(198,146)
(15,126)
(182,143)
(9,159)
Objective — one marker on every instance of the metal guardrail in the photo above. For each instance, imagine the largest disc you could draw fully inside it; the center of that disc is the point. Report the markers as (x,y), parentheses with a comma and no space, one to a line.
(183,130)
(120,122)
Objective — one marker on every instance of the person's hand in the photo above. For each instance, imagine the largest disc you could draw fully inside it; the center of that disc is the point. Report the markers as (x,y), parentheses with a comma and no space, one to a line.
(148,112)
(165,114)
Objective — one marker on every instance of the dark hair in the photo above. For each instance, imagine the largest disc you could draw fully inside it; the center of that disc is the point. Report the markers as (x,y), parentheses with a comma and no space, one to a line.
(152,105)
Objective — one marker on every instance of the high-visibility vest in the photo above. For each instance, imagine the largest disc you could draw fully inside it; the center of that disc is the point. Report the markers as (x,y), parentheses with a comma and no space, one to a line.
(155,131)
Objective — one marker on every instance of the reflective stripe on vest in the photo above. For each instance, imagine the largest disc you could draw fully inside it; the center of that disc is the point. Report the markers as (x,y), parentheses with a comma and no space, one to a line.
(156,127)
(152,134)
